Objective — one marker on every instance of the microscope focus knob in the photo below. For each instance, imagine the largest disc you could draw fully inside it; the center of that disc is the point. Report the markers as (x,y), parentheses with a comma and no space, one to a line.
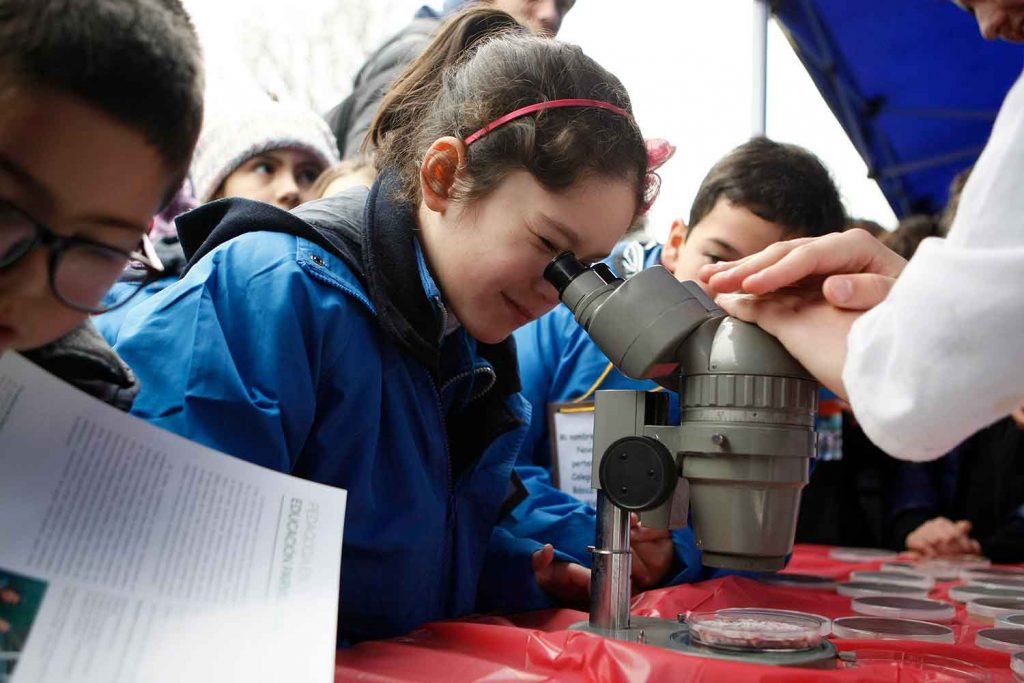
(638,473)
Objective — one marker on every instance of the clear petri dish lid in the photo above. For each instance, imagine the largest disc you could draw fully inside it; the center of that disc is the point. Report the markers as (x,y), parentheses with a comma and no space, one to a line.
(1015,620)
(804,581)
(970,591)
(824,623)
(890,576)
(1002,639)
(860,589)
(1017,665)
(1010,582)
(917,666)
(971,573)
(862,554)
(888,628)
(934,611)
(948,569)
(754,630)
(899,566)
(993,608)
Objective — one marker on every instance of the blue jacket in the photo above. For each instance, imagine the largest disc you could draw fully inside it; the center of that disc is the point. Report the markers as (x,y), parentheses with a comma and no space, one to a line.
(314,343)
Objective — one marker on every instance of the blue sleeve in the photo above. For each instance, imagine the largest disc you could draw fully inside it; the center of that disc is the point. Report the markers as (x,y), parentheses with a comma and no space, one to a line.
(507,582)
(537,356)
(550,515)
(230,355)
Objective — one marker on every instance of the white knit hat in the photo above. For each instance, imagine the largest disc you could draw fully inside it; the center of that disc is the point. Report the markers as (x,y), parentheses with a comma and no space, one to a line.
(231,137)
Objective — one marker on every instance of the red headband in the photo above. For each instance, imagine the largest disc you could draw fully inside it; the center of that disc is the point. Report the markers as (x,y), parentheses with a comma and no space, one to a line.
(540,106)
(658,151)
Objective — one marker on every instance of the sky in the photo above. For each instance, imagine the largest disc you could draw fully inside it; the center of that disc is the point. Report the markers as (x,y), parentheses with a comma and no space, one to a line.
(687,64)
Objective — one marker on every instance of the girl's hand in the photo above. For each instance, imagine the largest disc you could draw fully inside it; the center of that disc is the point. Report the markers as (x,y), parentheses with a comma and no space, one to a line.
(567,583)
(653,553)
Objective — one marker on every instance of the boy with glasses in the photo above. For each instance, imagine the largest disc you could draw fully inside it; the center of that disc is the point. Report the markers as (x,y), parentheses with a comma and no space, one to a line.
(95,136)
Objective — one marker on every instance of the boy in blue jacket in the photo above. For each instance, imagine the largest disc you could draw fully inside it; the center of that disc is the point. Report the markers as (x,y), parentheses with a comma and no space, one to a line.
(758,194)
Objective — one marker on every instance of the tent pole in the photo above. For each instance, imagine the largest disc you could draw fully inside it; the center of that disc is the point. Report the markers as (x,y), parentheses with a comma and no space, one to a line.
(760,89)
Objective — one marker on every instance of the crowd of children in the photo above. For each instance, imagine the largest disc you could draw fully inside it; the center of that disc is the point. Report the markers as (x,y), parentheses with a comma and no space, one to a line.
(382,323)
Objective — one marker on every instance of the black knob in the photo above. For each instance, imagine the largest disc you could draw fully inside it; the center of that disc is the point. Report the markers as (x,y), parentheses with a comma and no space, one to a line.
(638,473)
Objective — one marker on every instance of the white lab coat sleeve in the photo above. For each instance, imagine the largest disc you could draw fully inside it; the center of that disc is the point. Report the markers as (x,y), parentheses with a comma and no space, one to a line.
(943,355)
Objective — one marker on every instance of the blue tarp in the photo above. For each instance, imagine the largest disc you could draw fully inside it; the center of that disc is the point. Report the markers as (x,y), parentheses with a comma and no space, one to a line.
(911,81)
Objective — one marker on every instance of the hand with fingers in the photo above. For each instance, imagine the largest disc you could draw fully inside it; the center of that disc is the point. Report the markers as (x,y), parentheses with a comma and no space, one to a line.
(812,330)
(851,270)
(566,583)
(653,553)
(943,537)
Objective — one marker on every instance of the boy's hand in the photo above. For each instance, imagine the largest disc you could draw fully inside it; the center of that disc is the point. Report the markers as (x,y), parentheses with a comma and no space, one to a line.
(940,536)
(787,264)
(567,583)
(653,553)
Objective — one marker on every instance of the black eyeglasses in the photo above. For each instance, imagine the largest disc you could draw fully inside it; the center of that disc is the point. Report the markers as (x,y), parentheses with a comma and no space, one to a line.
(82,271)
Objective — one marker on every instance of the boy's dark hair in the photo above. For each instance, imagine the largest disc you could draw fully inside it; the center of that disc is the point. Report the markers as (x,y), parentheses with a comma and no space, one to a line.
(497,69)
(784,184)
(136,60)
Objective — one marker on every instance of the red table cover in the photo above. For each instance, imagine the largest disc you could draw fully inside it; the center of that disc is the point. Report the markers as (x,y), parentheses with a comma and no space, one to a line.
(536,646)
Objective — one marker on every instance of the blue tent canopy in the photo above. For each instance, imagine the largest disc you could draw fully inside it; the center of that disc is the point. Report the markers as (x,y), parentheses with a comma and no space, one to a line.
(911,81)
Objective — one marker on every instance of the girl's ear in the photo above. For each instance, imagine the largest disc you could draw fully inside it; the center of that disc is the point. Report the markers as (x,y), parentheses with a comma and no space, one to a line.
(441,164)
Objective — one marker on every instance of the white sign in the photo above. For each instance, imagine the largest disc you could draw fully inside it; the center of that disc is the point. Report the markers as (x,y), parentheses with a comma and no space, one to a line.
(573,435)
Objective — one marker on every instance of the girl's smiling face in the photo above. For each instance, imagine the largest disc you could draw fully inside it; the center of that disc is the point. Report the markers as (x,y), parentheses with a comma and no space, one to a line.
(489,254)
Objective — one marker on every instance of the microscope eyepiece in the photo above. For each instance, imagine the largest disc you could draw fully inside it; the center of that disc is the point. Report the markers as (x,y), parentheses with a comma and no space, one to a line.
(563,269)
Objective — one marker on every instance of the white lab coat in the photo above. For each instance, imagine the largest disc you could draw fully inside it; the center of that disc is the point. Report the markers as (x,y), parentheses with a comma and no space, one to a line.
(943,355)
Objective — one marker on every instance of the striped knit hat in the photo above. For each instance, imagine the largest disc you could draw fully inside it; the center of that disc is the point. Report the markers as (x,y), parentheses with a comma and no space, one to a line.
(229,138)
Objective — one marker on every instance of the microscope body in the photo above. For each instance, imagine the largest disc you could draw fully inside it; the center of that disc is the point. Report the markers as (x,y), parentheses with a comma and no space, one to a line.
(739,458)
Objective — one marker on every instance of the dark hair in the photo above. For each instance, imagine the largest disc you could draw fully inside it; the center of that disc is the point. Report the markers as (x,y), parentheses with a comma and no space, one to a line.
(908,235)
(781,183)
(136,60)
(502,69)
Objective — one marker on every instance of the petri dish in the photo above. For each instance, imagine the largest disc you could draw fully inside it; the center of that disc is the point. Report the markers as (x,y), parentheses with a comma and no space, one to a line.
(862,554)
(1012,583)
(754,630)
(921,609)
(970,573)
(917,666)
(1017,665)
(1002,639)
(993,608)
(860,589)
(804,581)
(900,577)
(824,623)
(970,591)
(942,569)
(1015,620)
(887,628)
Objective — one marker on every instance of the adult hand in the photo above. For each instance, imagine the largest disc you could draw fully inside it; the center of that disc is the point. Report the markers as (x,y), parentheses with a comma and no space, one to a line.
(806,261)
(653,553)
(567,583)
(812,330)
(941,536)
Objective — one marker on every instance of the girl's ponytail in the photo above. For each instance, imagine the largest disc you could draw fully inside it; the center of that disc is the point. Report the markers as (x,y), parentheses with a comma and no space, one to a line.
(409,100)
